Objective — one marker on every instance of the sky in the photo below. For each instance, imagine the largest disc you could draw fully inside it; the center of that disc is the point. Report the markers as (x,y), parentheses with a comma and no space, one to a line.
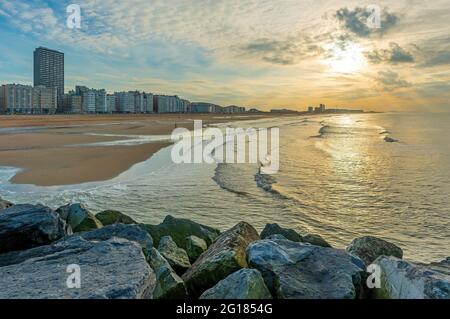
(255,53)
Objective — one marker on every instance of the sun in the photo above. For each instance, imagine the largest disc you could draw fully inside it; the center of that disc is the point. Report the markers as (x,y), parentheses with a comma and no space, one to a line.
(346,58)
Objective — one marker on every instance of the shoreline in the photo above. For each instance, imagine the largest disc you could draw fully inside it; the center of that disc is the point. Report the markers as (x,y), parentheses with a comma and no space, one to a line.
(64,150)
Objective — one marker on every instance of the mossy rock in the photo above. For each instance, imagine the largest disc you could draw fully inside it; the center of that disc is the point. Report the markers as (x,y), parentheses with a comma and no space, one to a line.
(195,247)
(78,217)
(241,285)
(369,248)
(316,240)
(168,284)
(4,204)
(275,229)
(224,257)
(177,257)
(179,229)
(109,217)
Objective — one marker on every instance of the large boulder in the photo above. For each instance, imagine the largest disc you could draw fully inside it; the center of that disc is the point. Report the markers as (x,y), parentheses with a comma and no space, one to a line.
(4,204)
(179,229)
(243,284)
(442,267)
(404,280)
(195,247)
(78,217)
(110,269)
(109,217)
(129,232)
(302,271)
(369,248)
(168,284)
(275,229)
(27,226)
(276,236)
(224,257)
(316,240)
(177,257)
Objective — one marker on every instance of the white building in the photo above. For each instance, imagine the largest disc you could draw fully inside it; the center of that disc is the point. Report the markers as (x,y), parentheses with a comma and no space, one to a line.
(148,103)
(75,104)
(201,107)
(16,98)
(89,105)
(45,100)
(125,102)
(101,105)
(111,103)
(170,104)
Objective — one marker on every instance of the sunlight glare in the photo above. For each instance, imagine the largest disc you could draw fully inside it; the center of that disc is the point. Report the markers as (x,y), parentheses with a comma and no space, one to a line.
(348,58)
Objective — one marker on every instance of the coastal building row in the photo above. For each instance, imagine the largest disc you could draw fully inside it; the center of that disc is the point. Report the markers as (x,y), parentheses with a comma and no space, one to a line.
(47,96)
(322,109)
(25,99)
(86,100)
(202,107)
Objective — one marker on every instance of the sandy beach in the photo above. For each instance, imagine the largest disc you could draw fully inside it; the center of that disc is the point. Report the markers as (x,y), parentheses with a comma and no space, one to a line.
(55,150)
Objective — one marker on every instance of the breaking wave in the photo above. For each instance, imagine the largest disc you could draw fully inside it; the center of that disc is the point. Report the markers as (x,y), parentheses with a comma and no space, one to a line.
(221,180)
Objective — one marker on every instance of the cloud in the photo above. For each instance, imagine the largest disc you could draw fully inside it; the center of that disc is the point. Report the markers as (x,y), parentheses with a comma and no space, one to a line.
(390,80)
(436,89)
(357,21)
(436,59)
(394,55)
(282,52)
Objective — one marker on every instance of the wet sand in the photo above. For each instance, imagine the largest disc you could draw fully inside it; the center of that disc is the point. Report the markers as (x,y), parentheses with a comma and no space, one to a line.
(52,150)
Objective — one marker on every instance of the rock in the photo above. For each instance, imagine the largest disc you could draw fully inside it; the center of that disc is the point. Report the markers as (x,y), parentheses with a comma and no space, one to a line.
(294,270)
(404,280)
(109,217)
(110,269)
(316,240)
(27,226)
(276,236)
(442,267)
(224,257)
(130,232)
(390,139)
(179,229)
(275,229)
(78,217)
(243,284)
(4,204)
(177,257)
(168,284)
(195,247)
(369,248)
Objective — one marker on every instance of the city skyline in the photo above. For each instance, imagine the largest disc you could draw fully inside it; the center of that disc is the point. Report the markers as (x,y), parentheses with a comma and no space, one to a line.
(290,54)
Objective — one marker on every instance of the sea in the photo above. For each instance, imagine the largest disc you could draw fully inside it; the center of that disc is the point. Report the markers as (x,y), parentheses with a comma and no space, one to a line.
(341,176)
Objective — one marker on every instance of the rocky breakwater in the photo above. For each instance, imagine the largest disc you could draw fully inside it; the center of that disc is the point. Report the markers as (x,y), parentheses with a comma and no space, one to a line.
(72,253)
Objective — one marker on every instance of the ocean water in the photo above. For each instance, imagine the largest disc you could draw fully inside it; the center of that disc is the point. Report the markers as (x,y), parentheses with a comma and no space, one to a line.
(339,177)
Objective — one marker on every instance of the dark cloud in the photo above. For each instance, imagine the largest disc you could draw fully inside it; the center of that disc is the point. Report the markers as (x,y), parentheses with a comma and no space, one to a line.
(282,52)
(436,59)
(394,55)
(356,21)
(391,80)
(440,89)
